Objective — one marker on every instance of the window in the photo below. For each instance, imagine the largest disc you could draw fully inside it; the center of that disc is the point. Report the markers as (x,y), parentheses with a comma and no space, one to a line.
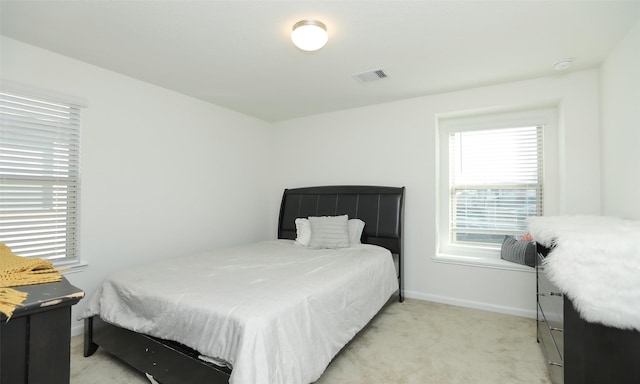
(495,183)
(492,177)
(39,176)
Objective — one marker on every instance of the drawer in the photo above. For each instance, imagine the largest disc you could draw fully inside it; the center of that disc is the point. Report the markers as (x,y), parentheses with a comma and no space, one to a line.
(552,306)
(545,285)
(551,354)
(551,300)
(170,362)
(556,334)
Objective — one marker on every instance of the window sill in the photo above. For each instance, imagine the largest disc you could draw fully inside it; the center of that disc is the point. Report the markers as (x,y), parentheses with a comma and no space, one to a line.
(484,262)
(71,267)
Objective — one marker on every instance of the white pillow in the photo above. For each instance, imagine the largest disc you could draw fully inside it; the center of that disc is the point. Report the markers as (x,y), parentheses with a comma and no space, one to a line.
(303,232)
(329,232)
(355,226)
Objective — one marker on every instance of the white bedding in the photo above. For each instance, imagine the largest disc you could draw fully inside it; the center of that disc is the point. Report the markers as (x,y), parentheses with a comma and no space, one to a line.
(276,311)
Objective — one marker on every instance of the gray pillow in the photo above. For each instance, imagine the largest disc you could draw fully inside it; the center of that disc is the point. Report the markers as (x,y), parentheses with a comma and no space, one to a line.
(329,231)
(518,251)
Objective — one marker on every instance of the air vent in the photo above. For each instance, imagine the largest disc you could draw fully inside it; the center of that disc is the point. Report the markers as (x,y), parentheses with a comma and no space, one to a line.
(366,77)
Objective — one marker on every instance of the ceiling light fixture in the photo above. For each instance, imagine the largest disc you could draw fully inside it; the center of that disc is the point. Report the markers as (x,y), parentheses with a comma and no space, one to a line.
(563,64)
(309,35)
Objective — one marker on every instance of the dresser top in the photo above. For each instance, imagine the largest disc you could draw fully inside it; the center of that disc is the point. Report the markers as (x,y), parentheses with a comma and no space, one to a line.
(44,296)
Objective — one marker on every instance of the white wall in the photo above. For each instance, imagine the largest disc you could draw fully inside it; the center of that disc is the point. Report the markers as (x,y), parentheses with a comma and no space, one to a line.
(162,174)
(620,98)
(395,144)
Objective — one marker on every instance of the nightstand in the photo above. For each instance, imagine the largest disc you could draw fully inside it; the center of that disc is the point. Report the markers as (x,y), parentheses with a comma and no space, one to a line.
(35,342)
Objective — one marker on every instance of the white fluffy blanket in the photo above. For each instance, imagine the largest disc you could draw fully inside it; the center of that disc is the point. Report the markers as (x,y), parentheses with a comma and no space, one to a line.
(596,263)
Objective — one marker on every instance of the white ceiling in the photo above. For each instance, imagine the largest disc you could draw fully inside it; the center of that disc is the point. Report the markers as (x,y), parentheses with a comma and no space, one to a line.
(238,54)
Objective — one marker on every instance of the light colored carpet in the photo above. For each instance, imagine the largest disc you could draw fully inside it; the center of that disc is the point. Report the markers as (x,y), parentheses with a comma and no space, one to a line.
(416,342)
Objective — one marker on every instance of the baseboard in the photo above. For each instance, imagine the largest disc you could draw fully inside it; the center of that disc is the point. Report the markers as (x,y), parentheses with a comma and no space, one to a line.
(521,312)
(77,329)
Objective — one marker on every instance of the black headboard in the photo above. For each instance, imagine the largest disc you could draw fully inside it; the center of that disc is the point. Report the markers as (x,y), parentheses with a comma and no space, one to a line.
(381,208)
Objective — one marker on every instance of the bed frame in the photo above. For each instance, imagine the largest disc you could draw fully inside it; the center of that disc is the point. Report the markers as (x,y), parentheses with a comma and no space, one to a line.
(381,208)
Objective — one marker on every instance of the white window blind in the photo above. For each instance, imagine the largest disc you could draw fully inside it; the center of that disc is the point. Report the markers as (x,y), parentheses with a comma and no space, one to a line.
(496,182)
(39,176)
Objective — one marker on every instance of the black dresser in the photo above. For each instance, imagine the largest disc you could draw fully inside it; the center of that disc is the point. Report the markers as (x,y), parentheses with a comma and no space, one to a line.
(577,351)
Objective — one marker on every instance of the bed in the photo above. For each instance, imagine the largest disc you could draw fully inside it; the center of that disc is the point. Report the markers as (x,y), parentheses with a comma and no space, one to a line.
(267,325)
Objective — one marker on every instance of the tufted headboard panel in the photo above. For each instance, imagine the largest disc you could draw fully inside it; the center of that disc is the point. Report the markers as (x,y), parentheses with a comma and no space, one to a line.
(381,208)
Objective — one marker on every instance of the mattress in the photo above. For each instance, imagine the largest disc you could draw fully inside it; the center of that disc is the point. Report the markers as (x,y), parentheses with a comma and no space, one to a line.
(276,311)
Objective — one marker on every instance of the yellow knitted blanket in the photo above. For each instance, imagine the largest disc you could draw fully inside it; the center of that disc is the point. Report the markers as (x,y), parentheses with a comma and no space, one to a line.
(17,271)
